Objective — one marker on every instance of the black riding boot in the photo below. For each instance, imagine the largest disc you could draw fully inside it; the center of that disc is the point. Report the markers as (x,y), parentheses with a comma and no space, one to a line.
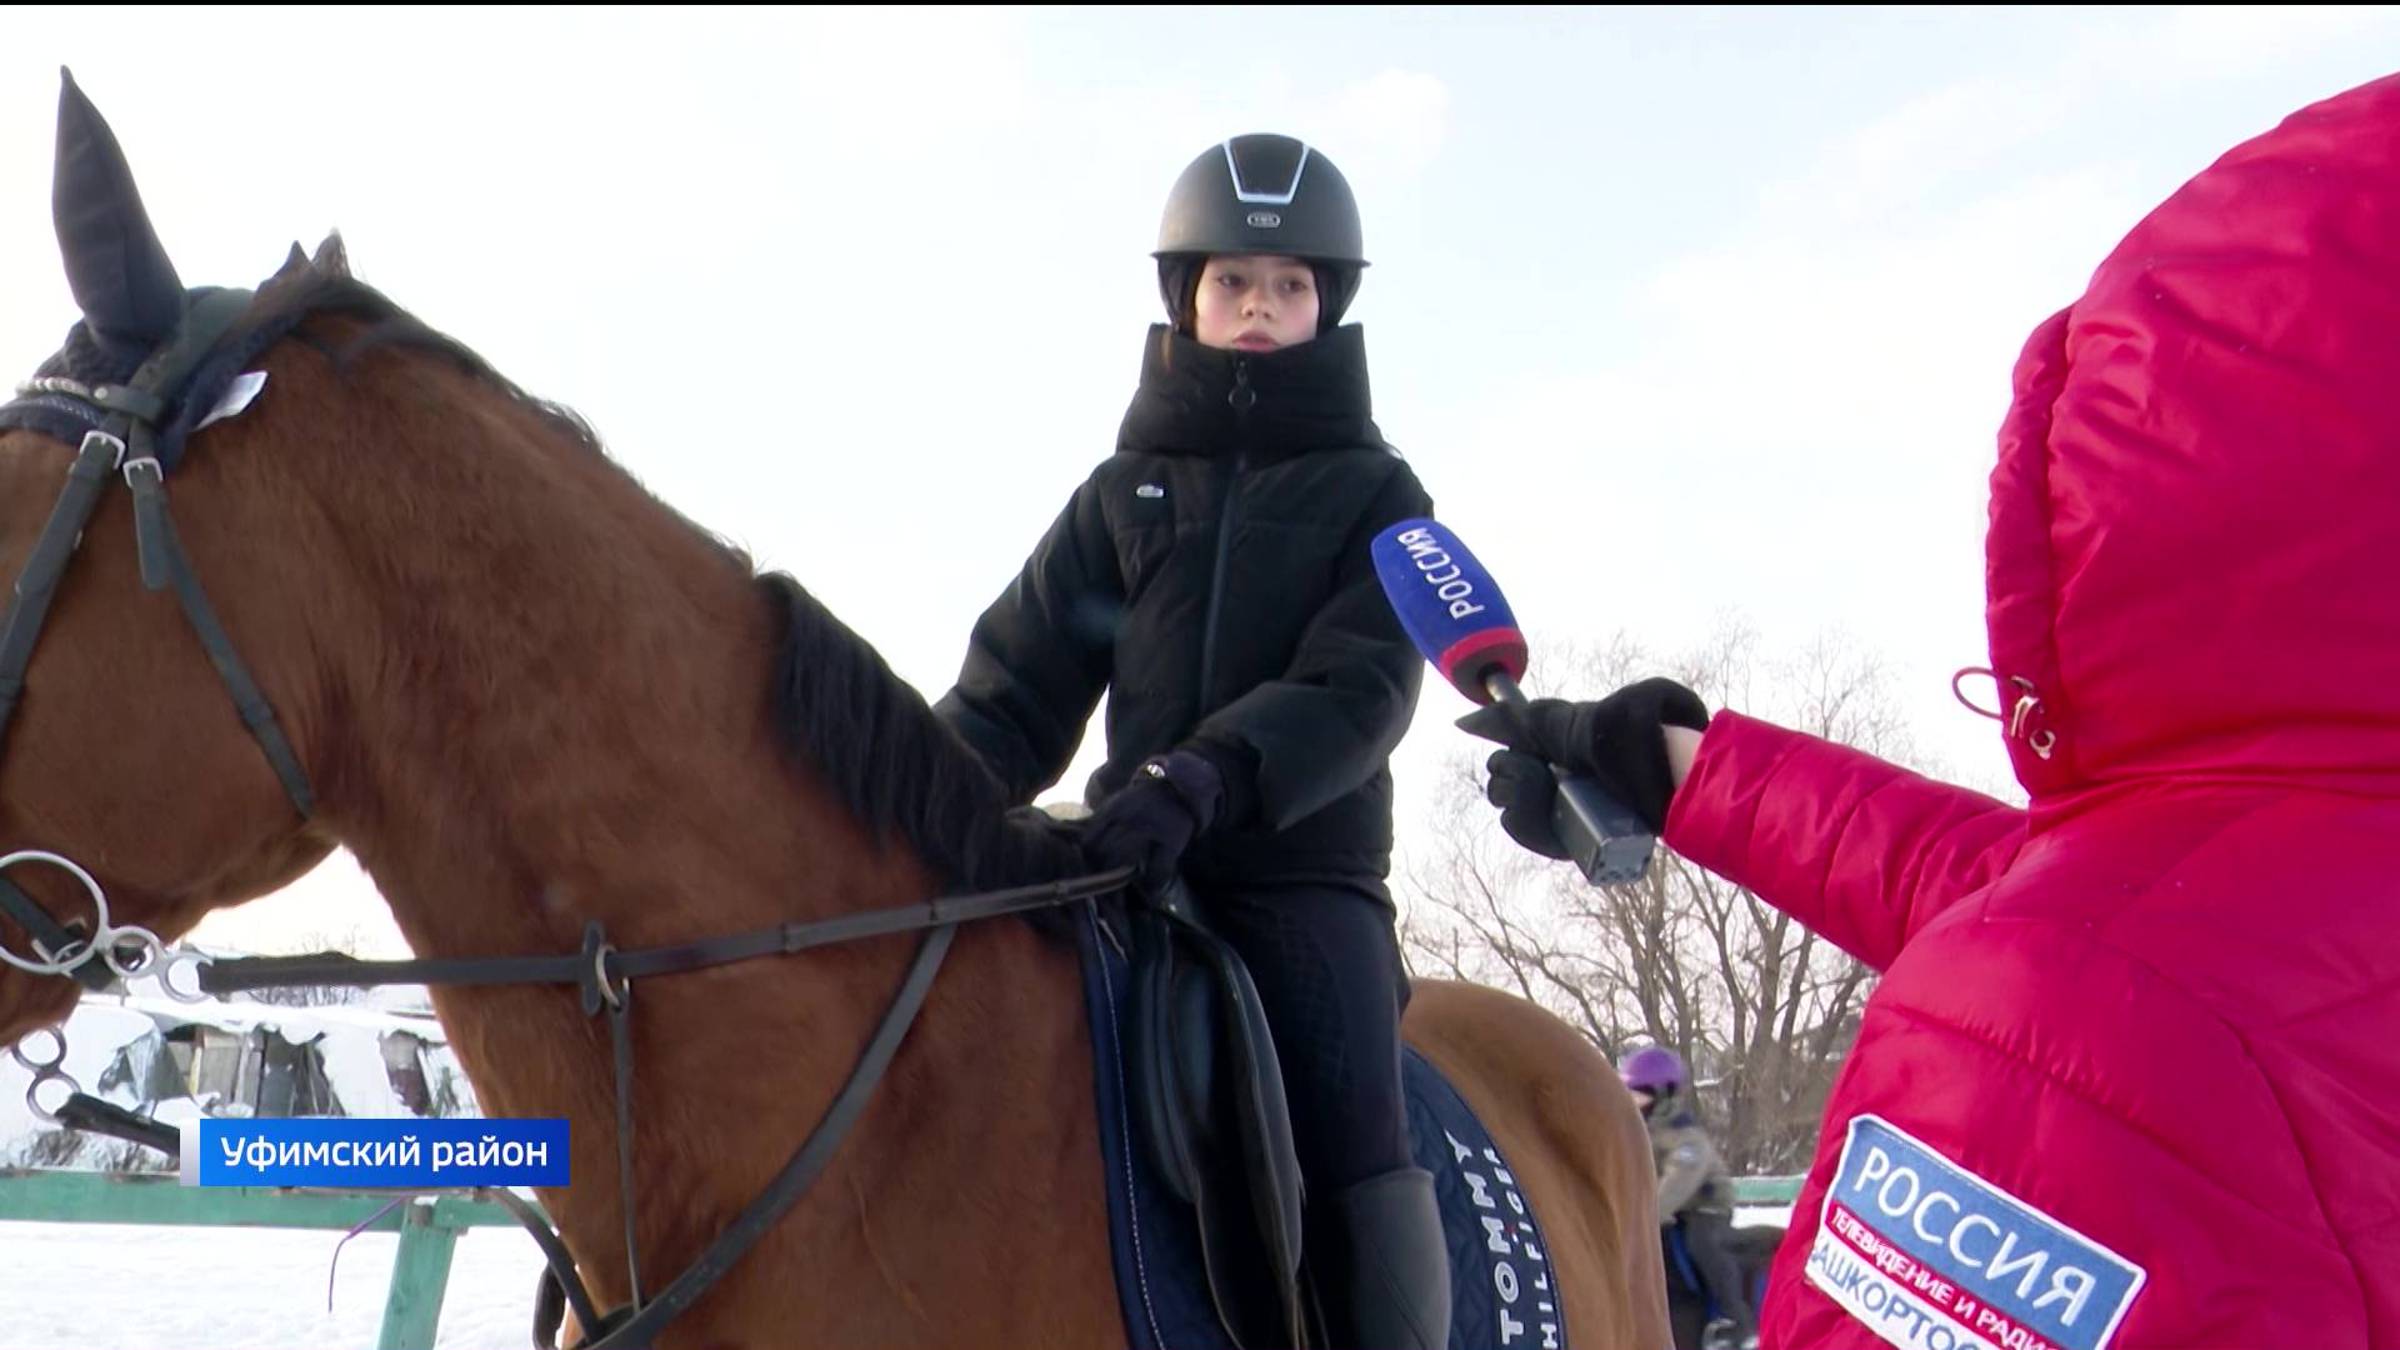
(1384,1271)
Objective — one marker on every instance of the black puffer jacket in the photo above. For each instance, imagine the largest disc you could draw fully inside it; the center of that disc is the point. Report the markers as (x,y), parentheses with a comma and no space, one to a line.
(1214,576)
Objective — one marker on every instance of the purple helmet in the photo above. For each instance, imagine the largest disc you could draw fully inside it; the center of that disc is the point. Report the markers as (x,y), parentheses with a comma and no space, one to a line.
(1653,1069)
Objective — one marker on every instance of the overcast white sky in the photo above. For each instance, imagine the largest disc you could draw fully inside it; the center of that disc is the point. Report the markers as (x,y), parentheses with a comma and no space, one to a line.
(1675,312)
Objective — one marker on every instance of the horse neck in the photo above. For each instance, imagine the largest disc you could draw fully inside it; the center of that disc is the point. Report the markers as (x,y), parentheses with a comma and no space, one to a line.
(561,708)
(548,700)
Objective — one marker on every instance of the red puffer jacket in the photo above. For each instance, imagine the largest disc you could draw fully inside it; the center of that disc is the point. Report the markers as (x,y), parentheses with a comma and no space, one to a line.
(2132,1074)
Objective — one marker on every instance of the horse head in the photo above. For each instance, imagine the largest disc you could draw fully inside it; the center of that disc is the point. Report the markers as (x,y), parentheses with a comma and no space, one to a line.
(117,751)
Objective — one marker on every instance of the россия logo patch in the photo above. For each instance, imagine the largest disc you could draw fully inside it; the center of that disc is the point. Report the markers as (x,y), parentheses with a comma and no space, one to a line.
(1932,1257)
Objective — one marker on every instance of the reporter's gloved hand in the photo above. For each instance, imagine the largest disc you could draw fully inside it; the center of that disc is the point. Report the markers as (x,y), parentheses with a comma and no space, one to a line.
(1149,822)
(1620,742)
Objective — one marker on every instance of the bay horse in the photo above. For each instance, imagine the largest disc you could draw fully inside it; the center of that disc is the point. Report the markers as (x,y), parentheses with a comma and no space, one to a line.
(527,695)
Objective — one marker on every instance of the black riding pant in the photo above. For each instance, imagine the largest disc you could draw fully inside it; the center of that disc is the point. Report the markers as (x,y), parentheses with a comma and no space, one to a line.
(1708,1236)
(1326,960)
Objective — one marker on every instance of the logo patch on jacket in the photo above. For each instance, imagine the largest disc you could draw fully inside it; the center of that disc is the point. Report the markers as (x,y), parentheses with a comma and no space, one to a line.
(1151,491)
(1932,1257)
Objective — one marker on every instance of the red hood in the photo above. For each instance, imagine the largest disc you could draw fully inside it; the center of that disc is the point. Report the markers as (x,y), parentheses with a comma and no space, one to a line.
(2194,555)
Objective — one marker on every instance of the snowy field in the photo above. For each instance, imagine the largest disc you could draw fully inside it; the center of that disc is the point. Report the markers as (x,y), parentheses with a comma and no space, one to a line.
(122,1287)
(95,1287)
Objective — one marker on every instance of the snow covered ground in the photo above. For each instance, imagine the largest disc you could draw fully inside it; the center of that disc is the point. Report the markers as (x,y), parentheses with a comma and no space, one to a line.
(87,1286)
(122,1287)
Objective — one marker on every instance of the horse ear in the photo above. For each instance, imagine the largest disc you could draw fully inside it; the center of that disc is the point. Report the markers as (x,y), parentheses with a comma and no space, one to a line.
(296,260)
(333,256)
(119,272)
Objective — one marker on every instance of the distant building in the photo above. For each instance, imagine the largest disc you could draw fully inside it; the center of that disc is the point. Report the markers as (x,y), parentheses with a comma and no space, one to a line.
(174,1061)
(257,1059)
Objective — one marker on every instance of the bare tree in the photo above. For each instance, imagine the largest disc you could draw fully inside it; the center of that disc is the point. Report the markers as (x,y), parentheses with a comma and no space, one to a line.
(1761,1008)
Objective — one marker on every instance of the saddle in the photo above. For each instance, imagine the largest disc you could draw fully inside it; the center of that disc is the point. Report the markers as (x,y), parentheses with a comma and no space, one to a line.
(1208,1104)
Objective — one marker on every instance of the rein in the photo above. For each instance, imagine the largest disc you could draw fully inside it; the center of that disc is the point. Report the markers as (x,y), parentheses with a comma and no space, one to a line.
(605,977)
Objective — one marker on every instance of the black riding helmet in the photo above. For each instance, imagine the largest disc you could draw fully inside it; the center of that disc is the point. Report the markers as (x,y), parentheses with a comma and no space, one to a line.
(1261,194)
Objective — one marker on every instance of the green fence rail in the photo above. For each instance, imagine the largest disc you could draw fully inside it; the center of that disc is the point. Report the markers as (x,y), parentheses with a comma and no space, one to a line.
(428,1225)
(1767,1190)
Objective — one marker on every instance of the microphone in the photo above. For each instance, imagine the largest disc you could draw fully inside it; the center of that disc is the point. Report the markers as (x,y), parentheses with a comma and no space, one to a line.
(1454,612)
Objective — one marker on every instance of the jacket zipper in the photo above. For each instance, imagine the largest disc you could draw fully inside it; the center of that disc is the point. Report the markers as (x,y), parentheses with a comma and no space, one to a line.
(1241,396)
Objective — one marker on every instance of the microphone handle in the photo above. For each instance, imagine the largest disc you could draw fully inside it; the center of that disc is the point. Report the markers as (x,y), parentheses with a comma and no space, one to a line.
(1609,842)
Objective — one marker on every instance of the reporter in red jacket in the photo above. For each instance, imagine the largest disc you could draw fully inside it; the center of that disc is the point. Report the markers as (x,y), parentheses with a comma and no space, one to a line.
(2131,1078)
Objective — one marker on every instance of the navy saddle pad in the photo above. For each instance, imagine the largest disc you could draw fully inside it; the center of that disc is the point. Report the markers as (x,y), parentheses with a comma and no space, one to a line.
(1503,1296)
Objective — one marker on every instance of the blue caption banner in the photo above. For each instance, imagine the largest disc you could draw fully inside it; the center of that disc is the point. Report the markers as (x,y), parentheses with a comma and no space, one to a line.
(399,1152)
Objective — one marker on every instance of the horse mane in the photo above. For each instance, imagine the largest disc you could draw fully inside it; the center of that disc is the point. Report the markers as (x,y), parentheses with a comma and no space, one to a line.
(869,734)
(895,764)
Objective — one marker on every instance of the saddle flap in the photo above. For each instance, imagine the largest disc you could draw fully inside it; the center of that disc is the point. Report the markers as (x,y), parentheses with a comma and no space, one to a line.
(1255,1077)
(1209,1089)
(1168,1115)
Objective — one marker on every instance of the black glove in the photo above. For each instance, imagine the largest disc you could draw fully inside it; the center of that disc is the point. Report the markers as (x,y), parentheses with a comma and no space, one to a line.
(1526,793)
(1150,821)
(1619,742)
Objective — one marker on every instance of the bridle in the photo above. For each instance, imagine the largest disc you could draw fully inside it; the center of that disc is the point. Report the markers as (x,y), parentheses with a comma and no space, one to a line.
(124,422)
